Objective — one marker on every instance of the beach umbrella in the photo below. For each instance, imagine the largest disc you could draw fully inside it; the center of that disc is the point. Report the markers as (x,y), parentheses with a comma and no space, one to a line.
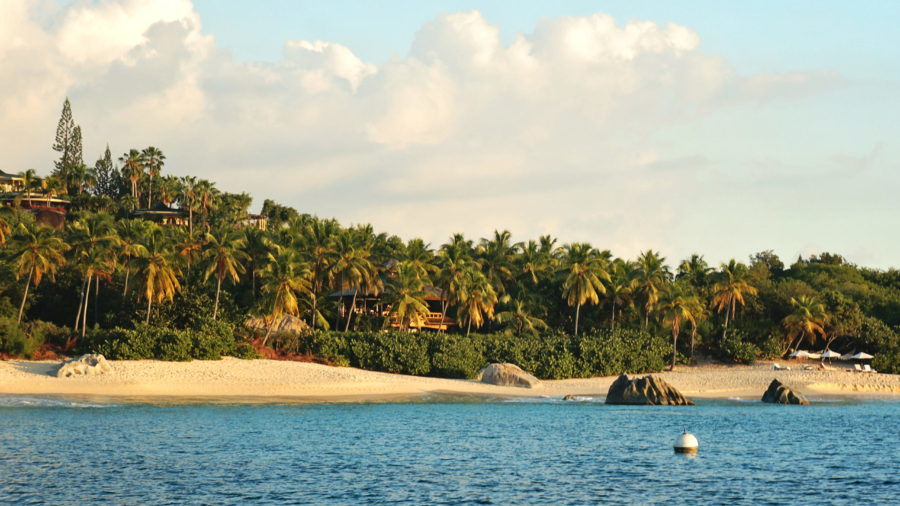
(862,356)
(799,354)
(830,355)
(848,356)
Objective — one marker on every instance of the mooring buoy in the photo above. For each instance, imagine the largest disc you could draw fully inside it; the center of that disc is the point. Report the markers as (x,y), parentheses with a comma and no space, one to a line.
(686,443)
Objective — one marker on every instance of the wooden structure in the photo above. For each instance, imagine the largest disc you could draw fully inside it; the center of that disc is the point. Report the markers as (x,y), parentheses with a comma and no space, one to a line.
(163,215)
(373,305)
(256,220)
(10,182)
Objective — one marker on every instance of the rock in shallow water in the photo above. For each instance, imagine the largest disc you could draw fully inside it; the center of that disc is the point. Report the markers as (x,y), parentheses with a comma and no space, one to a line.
(646,391)
(779,393)
(84,365)
(507,375)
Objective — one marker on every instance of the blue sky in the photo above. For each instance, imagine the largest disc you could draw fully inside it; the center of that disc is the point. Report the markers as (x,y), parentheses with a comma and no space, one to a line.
(724,128)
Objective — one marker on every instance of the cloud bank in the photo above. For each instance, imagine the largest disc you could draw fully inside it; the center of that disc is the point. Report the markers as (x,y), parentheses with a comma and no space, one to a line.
(581,129)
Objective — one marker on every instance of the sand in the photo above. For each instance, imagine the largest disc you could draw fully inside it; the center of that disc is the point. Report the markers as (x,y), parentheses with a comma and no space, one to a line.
(262,380)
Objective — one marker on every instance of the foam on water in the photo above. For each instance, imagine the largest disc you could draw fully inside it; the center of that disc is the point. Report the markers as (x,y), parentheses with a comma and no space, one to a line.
(46,402)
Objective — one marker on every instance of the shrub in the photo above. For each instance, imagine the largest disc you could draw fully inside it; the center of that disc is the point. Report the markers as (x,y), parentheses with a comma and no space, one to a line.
(15,341)
(454,357)
(396,352)
(736,350)
(246,351)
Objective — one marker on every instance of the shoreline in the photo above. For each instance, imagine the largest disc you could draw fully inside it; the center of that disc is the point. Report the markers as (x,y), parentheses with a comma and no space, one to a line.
(266,381)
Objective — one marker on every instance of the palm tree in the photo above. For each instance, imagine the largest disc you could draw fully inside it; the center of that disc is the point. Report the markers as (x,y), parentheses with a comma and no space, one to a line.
(223,255)
(353,268)
(519,315)
(696,271)
(406,296)
(731,289)
(81,176)
(129,203)
(189,246)
(30,180)
(257,245)
(4,225)
(130,233)
(38,251)
(169,189)
(497,258)
(133,169)
(808,318)
(533,261)
(284,278)
(583,269)
(652,276)
(157,269)
(92,238)
(676,308)
(700,312)
(154,159)
(476,299)
(317,244)
(620,287)
(187,197)
(453,260)
(205,194)
(97,262)
(420,256)
(54,186)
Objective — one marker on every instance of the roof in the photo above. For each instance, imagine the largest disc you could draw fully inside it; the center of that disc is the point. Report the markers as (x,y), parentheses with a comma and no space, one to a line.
(9,177)
(434,293)
(160,209)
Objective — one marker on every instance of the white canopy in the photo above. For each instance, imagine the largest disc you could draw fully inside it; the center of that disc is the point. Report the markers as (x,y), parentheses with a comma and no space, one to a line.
(799,354)
(848,356)
(830,354)
(862,356)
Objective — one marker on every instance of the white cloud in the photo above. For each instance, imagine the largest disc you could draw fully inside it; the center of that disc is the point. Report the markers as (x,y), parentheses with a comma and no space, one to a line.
(562,131)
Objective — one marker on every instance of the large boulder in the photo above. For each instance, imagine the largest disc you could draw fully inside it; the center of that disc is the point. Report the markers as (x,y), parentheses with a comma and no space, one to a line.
(646,391)
(50,218)
(507,375)
(779,393)
(287,323)
(84,365)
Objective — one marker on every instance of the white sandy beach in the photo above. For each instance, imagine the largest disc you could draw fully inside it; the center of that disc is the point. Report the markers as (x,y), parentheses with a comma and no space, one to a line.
(261,379)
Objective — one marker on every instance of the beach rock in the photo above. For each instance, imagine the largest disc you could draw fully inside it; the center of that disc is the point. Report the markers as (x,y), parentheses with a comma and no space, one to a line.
(569,397)
(646,391)
(779,393)
(84,365)
(287,323)
(507,375)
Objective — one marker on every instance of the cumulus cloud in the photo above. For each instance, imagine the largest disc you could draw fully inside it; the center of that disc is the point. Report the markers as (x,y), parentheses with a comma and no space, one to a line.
(563,131)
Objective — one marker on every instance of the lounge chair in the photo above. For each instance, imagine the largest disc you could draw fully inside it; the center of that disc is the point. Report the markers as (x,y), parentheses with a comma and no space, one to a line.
(857,368)
(869,369)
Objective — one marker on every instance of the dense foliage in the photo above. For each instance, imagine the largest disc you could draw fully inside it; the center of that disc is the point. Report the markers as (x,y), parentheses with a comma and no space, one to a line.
(132,288)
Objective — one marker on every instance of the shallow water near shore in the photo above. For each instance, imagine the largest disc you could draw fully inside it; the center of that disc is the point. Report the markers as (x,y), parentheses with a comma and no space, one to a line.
(446,450)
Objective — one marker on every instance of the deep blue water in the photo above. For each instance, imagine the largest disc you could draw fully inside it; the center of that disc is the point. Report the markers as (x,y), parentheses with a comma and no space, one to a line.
(447,450)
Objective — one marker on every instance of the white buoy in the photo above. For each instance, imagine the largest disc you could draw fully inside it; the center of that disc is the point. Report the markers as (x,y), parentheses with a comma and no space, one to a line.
(686,443)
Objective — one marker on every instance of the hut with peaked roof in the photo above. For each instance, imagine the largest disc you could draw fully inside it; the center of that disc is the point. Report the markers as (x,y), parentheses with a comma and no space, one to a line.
(373,304)
(163,215)
(10,183)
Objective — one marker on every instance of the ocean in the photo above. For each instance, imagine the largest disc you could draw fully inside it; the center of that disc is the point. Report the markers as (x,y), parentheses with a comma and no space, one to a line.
(446,450)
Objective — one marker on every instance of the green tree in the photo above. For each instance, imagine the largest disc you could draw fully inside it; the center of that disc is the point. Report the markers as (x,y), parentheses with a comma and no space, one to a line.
(419,255)
(223,255)
(807,319)
(157,269)
(284,278)
(730,289)
(30,181)
(453,261)
(92,238)
(620,287)
(676,307)
(497,258)
(520,317)
(583,270)
(187,198)
(154,159)
(133,170)
(106,174)
(476,299)
(406,296)
(81,176)
(652,277)
(36,250)
(131,233)
(65,141)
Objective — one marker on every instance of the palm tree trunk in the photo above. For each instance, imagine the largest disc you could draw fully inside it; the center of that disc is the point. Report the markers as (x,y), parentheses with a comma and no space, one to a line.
(96,300)
(312,317)
(693,334)
(469,328)
(149,305)
(218,289)
(127,274)
(87,297)
(269,330)
(22,307)
(337,314)
(80,303)
(352,307)
(150,193)
(613,321)
(443,312)
(726,328)
(577,312)
(674,345)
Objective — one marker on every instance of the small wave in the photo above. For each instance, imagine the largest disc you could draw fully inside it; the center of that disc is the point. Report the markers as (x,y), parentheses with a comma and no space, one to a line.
(548,399)
(739,399)
(44,402)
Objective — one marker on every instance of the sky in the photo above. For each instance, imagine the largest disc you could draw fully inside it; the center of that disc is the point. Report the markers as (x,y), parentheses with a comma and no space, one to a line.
(720,128)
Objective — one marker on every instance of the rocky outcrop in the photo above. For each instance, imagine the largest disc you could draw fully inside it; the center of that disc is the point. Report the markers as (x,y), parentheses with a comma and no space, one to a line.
(507,375)
(569,397)
(646,391)
(779,393)
(84,365)
(287,323)
(50,218)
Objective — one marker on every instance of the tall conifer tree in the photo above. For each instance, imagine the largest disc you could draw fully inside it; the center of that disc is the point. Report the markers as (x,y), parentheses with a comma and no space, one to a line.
(107,176)
(65,139)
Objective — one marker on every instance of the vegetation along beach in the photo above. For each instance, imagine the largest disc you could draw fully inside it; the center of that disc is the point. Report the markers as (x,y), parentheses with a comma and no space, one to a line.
(422,253)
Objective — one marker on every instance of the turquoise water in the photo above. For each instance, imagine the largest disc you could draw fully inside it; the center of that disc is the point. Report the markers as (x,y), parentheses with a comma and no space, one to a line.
(446,450)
